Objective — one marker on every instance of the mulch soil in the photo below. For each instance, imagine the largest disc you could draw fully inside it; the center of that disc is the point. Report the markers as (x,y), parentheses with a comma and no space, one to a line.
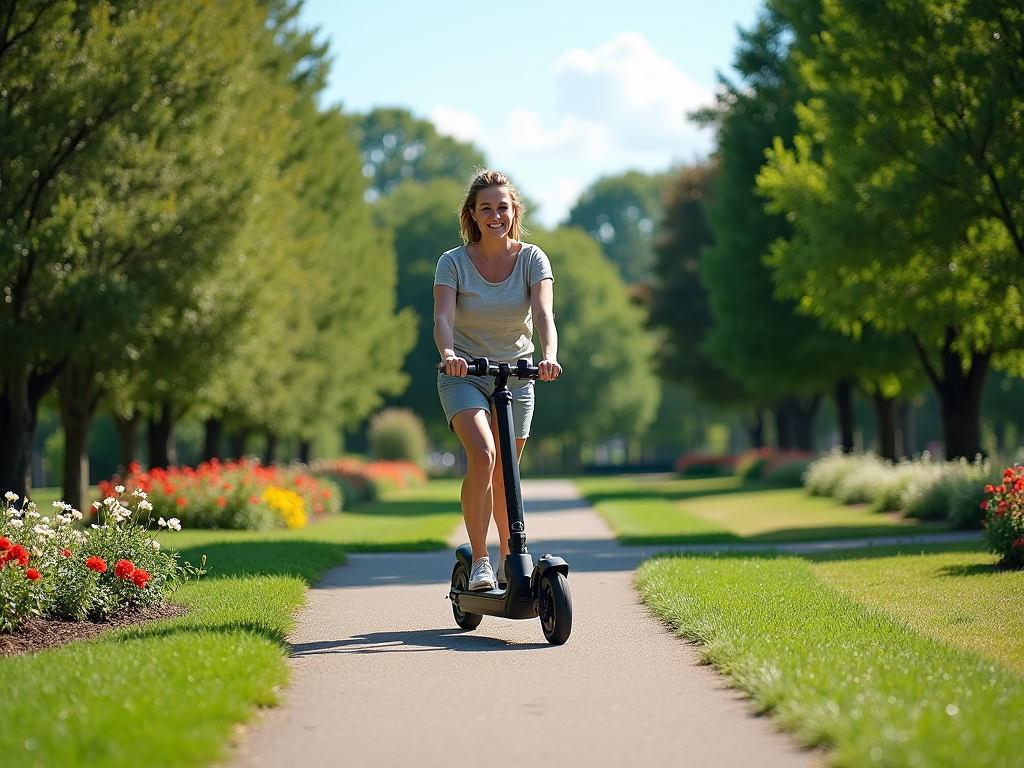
(36,634)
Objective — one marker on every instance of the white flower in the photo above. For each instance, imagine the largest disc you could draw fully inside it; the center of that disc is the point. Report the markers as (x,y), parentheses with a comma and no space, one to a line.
(109,501)
(162,523)
(155,545)
(66,507)
(58,505)
(145,505)
(11,496)
(37,551)
(76,514)
(45,520)
(95,527)
(139,493)
(32,513)
(96,505)
(174,524)
(17,523)
(119,488)
(42,530)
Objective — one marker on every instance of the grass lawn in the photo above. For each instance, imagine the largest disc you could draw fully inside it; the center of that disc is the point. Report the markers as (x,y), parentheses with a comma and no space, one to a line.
(883,657)
(722,511)
(170,693)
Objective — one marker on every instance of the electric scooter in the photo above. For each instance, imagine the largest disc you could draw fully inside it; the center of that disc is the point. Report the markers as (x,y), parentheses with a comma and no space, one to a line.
(531,591)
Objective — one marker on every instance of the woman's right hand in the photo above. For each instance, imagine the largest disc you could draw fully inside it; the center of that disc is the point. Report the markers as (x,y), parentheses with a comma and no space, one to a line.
(454,365)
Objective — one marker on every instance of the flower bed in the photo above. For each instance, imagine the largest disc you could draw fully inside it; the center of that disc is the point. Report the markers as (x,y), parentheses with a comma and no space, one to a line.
(235,494)
(704,465)
(1004,518)
(782,467)
(368,481)
(51,568)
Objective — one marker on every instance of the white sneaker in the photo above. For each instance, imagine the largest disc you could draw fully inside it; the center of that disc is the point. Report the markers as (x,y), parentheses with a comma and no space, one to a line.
(481,576)
(502,580)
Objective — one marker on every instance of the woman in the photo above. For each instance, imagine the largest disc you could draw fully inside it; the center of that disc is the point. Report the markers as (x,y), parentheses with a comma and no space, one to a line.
(488,293)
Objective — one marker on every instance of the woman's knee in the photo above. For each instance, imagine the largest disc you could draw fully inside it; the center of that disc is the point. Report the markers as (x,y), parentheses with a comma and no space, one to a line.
(481,459)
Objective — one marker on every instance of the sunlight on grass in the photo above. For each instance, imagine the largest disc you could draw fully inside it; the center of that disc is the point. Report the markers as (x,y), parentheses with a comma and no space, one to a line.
(720,510)
(955,597)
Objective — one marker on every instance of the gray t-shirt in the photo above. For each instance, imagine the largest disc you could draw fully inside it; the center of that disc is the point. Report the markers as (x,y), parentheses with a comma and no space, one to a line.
(493,320)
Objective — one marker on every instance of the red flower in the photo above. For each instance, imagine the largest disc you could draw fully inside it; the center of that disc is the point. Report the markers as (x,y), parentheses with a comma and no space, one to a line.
(32,574)
(182,501)
(97,564)
(134,467)
(221,501)
(326,493)
(1000,489)
(140,576)
(990,489)
(17,554)
(984,505)
(4,543)
(66,552)
(318,508)
(1008,472)
(124,569)
(1019,542)
(254,499)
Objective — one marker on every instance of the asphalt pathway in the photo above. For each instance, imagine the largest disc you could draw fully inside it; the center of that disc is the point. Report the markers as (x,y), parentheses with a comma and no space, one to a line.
(382,676)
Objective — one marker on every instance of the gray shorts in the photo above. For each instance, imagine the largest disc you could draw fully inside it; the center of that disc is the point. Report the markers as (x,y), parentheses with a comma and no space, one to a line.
(460,394)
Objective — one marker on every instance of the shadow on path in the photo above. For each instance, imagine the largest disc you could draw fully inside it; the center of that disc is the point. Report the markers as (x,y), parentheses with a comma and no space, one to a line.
(411,641)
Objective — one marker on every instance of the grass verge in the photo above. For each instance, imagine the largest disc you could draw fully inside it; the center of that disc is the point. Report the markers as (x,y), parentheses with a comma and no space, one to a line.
(721,511)
(170,693)
(876,686)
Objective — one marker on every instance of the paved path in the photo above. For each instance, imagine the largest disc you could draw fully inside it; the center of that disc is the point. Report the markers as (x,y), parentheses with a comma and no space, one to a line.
(382,676)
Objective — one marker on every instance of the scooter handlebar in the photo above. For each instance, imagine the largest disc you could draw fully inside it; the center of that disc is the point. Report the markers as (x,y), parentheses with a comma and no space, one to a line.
(481,366)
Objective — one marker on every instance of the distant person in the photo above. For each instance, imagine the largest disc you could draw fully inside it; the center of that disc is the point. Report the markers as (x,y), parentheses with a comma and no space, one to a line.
(488,294)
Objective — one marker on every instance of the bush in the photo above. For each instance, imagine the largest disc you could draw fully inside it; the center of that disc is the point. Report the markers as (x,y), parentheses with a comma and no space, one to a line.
(787,473)
(234,494)
(824,476)
(704,465)
(397,434)
(368,481)
(750,466)
(861,485)
(50,568)
(1004,518)
(948,490)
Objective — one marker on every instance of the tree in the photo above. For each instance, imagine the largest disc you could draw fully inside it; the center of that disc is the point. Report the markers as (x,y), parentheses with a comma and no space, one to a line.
(397,147)
(622,214)
(124,198)
(904,185)
(609,386)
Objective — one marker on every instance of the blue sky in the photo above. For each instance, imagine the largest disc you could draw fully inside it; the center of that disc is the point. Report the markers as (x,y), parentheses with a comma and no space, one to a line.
(556,93)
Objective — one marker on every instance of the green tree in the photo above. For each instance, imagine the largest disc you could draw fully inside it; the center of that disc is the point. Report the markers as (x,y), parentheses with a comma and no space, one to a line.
(905,185)
(609,386)
(622,213)
(397,147)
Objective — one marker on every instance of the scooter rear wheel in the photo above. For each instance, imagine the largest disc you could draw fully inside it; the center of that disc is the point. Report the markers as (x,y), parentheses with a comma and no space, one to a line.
(460,582)
(555,604)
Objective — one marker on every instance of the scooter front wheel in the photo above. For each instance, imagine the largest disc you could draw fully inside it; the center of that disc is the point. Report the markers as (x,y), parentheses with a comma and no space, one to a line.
(555,607)
(460,582)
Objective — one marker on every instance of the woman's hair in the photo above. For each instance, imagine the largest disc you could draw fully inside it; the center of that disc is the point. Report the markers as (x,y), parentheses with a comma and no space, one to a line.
(485,180)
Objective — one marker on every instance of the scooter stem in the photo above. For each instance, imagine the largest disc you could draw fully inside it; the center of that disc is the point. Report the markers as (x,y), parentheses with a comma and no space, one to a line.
(502,398)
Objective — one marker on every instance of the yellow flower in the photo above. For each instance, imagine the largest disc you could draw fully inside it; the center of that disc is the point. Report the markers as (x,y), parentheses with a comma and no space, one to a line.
(287,504)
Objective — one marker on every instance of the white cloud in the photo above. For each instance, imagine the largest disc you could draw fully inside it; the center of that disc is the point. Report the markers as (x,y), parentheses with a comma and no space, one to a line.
(457,123)
(556,198)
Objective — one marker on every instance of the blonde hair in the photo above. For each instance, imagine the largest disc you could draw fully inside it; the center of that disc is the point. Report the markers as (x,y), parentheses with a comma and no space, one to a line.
(485,180)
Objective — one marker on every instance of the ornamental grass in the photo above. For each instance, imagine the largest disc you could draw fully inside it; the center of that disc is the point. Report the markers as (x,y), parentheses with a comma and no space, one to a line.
(52,568)
(242,495)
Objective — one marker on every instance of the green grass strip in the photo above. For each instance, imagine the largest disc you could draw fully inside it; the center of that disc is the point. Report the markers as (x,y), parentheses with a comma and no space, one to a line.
(170,693)
(722,510)
(855,679)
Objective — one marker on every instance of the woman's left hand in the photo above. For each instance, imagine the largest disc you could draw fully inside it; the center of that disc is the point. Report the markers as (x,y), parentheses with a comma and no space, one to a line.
(549,370)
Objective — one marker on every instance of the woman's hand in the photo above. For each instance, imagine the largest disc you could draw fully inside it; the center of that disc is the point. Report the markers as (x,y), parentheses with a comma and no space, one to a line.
(549,370)
(454,365)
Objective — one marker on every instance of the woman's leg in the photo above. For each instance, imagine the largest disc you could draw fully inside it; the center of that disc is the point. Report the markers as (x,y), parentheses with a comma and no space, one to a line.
(477,493)
(498,485)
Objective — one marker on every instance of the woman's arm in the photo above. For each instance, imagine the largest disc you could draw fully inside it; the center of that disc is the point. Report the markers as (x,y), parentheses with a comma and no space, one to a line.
(542,302)
(444,330)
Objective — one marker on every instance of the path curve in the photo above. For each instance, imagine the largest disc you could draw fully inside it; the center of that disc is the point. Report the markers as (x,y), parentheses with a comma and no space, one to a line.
(382,676)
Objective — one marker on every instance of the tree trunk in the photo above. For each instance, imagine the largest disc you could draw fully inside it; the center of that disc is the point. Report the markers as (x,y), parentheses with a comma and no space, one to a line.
(803,422)
(305,451)
(161,451)
(126,430)
(238,442)
(79,396)
(754,428)
(19,411)
(844,406)
(959,394)
(214,431)
(783,426)
(270,451)
(906,414)
(885,410)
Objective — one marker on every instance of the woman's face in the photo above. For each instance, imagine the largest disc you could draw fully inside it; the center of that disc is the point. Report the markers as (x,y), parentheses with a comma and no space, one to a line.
(494,212)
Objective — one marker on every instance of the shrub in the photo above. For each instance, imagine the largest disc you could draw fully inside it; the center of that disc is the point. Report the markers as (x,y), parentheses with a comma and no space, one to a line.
(362,481)
(1004,517)
(891,484)
(50,568)
(947,490)
(397,434)
(860,486)
(750,466)
(232,494)
(788,472)
(704,465)
(824,476)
